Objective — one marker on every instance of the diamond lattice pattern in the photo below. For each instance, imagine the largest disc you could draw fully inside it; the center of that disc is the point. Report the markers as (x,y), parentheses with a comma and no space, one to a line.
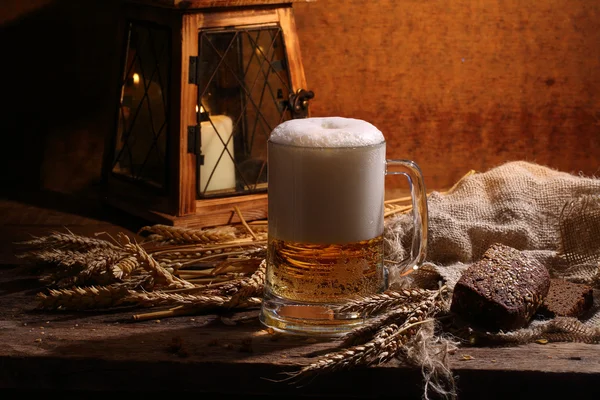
(243,88)
(141,144)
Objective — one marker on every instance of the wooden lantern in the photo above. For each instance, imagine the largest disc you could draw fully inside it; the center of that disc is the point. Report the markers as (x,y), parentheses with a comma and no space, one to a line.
(203,83)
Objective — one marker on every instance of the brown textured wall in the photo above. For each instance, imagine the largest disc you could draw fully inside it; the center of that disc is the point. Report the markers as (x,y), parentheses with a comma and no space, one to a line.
(454,84)
(462,84)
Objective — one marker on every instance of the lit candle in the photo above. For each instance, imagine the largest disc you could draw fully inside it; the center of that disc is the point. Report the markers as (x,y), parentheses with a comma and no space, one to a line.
(202,114)
(211,147)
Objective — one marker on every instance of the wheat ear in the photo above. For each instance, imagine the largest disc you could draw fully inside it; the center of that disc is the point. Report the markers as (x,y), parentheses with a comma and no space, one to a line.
(386,301)
(250,287)
(70,241)
(82,298)
(180,235)
(433,304)
(125,267)
(147,262)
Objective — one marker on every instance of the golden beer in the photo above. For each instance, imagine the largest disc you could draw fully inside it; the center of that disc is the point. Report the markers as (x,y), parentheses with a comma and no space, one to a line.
(325,273)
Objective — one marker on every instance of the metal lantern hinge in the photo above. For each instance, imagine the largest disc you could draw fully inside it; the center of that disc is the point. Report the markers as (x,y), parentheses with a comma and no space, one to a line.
(194,142)
(193,70)
(298,102)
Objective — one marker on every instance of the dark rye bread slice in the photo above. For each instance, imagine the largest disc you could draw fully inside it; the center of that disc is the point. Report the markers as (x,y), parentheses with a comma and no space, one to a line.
(502,291)
(567,299)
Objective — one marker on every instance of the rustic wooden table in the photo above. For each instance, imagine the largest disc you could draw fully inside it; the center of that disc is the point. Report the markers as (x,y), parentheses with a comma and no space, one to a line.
(220,355)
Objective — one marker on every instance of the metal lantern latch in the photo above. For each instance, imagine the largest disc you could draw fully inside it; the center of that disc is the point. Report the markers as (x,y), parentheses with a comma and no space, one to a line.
(299,102)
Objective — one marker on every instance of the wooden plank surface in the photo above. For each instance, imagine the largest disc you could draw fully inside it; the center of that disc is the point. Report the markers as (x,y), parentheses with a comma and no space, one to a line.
(231,353)
(234,354)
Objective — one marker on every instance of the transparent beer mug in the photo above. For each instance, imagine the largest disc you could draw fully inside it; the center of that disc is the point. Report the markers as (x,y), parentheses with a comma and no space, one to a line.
(326,223)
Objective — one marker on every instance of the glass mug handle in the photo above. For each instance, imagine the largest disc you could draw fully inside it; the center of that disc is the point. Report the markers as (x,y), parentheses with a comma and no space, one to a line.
(419,207)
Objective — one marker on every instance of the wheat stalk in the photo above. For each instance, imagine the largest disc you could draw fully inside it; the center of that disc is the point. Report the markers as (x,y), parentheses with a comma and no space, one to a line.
(159,298)
(387,342)
(245,292)
(366,331)
(54,257)
(82,298)
(250,287)
(68,241)
(386,301)
(180,235)
(434,304)
(147,262)
(75,267)
(192,310)
(200,251)
(197,302)
(99,261)
(244,223)
(95,297)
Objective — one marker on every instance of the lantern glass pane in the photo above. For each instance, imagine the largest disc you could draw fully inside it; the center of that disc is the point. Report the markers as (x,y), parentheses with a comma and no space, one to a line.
(141,144)
(243,93)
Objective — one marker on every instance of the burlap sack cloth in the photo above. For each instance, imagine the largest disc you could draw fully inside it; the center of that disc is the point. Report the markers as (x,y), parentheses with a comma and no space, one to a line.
(551,215)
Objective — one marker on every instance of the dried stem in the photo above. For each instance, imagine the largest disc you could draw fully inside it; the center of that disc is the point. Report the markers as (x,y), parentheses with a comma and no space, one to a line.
(148,262)
(243,220)
(252,286)
(391,210)
(198,252)
(192,310)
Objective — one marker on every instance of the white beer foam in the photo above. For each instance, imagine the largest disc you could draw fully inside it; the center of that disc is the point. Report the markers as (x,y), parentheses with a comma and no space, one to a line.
(326,132)
(326,188)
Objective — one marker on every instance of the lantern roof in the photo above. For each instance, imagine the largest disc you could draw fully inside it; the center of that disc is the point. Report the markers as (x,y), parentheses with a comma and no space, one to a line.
(197,4)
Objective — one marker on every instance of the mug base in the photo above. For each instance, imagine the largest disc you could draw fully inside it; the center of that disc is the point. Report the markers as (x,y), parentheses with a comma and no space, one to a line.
(307,319)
